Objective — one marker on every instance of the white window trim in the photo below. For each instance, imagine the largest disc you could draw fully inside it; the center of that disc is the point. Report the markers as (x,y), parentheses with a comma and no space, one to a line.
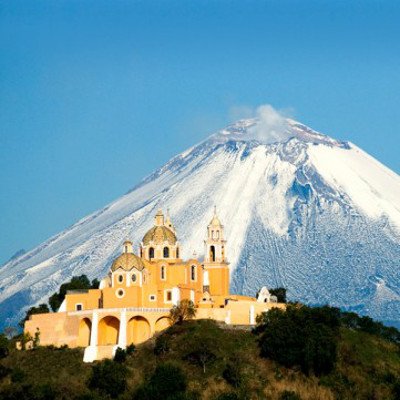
(119,276)
(117,293)
(76,306)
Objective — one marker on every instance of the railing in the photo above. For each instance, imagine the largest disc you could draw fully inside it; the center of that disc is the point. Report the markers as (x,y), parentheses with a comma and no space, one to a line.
(118,310)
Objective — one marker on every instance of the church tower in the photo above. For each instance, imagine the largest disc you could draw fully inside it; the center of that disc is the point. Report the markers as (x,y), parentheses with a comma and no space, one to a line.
(215,263)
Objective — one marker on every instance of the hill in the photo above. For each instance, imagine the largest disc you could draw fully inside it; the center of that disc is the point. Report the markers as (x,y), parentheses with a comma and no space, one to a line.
(201,360)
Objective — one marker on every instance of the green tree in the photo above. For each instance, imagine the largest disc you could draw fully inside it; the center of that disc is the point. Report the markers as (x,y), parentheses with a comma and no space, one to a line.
(302,336)
(182,311)
(109,378)
(280,294)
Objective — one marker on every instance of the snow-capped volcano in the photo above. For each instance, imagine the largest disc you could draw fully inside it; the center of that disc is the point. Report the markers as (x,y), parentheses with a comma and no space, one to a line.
(301,210)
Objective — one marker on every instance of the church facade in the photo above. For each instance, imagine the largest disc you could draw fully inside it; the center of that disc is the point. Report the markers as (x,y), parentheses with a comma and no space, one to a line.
(133,301)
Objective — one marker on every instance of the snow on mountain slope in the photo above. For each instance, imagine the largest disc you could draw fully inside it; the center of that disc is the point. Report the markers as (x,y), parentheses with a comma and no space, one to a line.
(307,212)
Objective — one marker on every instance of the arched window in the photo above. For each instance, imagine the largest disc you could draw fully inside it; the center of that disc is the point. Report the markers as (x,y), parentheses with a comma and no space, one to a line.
(212,253)
(166,252)
(151,253)
(193,272)
(163,272)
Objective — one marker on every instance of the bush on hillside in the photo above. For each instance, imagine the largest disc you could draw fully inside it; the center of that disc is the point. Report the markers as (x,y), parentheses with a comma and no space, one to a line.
(4,351)
(108,378)
(301,336)
(233,374)
(167,382)
(366,324)
(161,345)
(280,294)
(184,310)
(289,395)
(120,355)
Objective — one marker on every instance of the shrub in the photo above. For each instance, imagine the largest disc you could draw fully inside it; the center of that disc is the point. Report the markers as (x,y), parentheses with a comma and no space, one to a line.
(168,379)
(233,374)
(289,395)
(280,294)
(396,390)
(301,336)
(120,355)
(202,354)
(4,371)
(17,375)
(167,382)
(3,346)
(182,311)
(108,378)
(227,396)
(130,349)
(162,345)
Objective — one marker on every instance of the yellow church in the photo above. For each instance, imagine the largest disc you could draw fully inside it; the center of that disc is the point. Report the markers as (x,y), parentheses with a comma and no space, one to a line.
(133,301)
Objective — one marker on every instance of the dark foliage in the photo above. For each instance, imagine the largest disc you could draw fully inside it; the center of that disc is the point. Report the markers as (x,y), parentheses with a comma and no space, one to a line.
(233,374)
(301,336)
(366,324)
(3,346)
(227,396)
(29,392)
(130,349)
(396,390)
(120,355)
(167,382)
(161,346)
(76,283)
(280,294)
(289,395)
(109,378)
(202,354)
(4,371)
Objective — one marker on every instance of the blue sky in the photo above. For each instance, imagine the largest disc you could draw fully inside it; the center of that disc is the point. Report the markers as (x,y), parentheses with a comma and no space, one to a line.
(94,95)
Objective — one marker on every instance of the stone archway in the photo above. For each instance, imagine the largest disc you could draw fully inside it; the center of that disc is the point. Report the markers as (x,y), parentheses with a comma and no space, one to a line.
(108,331)
(85,327)
(162,324)
(138,330)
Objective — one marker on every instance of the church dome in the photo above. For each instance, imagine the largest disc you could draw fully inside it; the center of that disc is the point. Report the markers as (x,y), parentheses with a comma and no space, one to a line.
(159,235)
(127,261)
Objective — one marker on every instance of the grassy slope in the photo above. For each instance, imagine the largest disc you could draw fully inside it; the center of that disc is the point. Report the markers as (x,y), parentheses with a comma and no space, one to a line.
(366,369)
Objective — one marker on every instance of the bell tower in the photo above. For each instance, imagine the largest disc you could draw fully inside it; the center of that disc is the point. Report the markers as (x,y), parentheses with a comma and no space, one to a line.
(215,259)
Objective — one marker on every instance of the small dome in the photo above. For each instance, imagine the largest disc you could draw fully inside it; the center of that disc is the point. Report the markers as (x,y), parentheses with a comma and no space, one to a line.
(159,235)
(215,221)
(127,261)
